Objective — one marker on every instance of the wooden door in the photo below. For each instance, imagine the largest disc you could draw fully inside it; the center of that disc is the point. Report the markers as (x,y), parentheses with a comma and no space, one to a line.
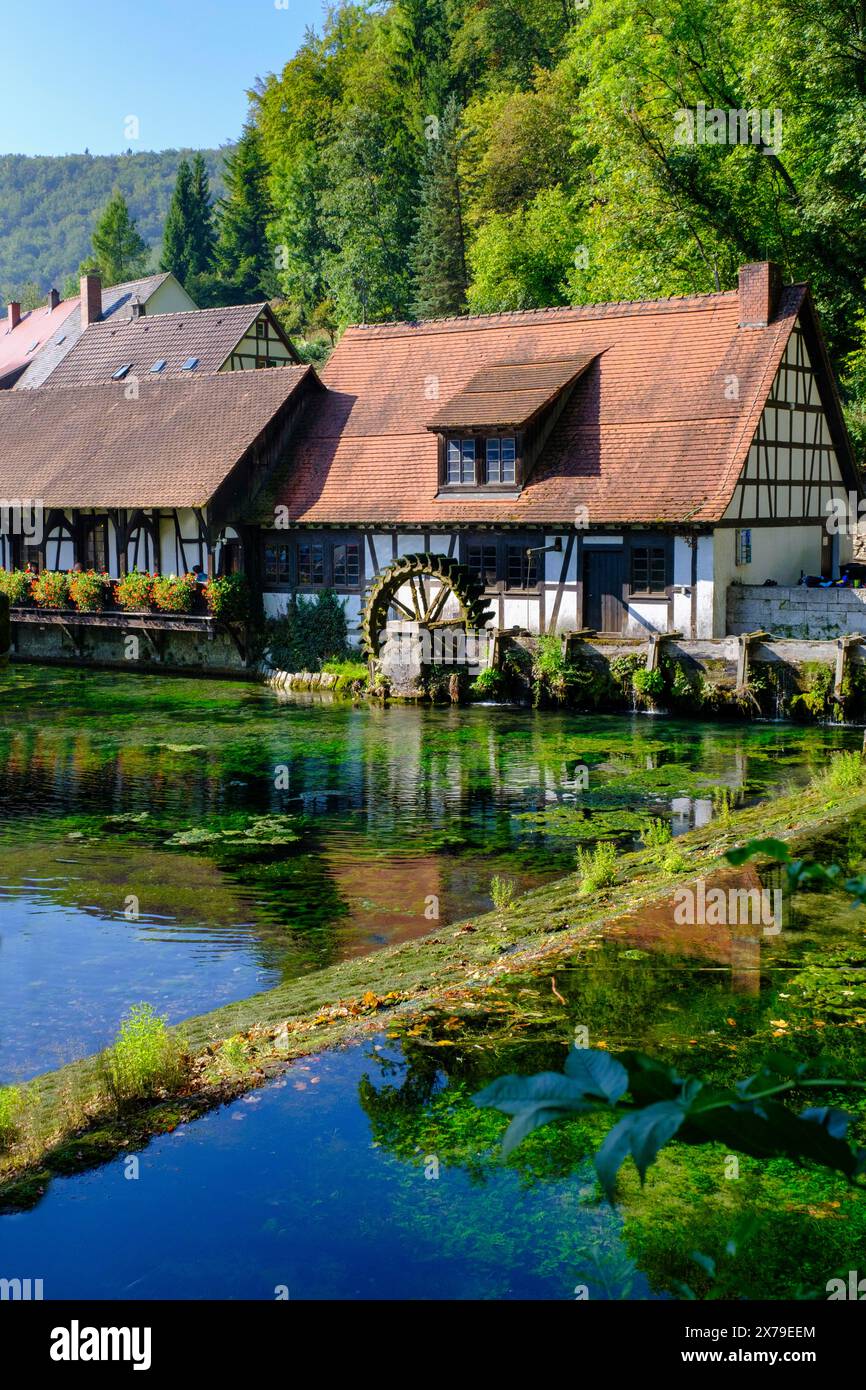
(603,578)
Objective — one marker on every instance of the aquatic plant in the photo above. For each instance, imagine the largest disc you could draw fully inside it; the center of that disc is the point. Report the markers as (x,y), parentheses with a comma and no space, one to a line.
(551,671)
(657,833)
(845,772)
(597,867)
(144,1059)
(502,892)
(228,597)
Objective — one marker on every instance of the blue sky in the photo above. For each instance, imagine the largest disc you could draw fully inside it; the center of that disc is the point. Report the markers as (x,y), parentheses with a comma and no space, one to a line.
(75,70)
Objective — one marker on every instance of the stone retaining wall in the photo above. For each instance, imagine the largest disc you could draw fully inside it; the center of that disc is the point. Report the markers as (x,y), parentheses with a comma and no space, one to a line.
(798,612)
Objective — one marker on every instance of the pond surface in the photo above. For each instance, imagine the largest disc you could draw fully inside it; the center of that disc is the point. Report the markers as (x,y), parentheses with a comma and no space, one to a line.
(188,843)
(368,1173)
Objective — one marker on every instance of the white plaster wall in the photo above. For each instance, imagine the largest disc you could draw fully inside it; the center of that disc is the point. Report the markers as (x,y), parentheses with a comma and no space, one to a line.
(566,619)
(642,618)
(705,608)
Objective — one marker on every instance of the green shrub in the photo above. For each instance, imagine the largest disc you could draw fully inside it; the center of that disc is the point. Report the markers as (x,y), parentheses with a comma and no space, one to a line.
(11,1105)
(51,589)
(552,674)
(228,597)
(144,1058)
(174,593)
(311,631)
(133,592)
(597,867)
(489,684)
(15,584)
(88,590)
(657,833)
(845,772)
(502,892)
(649,685)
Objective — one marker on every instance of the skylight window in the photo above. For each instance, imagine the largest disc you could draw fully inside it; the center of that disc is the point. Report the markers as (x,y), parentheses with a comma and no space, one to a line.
(33,347)
(159,365)
(190,364)
(121,371)
(61,339)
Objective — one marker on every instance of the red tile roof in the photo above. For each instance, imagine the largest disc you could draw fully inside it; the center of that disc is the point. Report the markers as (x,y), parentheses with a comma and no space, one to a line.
(19,346)
(170,444)
(649,434)
(206,334)
(508,394)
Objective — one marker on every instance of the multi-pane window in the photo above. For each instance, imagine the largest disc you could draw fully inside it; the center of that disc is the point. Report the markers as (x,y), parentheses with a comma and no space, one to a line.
(461,461)
(481,562)
(95,549)
(744,546)
(500,461)
(277,566)
(648,569)
(347,566)
(521,570)
(311,563)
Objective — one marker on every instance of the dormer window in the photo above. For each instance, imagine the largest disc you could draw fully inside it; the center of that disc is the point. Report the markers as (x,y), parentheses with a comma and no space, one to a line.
(461,461)
(501,460)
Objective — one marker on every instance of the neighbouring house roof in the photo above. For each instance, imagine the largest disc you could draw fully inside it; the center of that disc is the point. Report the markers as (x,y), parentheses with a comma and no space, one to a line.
(167,444)
(116,302)
(208,335)
(19,346)
(652,431)
(509,394)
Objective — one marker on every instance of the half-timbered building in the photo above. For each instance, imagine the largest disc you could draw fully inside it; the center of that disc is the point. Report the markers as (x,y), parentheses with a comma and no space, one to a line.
(612,467)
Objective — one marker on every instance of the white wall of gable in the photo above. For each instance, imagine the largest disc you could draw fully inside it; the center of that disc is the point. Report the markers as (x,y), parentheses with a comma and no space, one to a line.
(792,471)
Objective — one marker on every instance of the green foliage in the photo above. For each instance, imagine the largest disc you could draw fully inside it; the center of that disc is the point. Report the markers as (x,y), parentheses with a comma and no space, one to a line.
(173,593)
(135,591)
(178,247)
(11,1104)
(144,1058)
(657,833)
(747,1118)
(489,684)
(15,584)
(649,686)
(88,590)
(244,261)
(48,206)
(439,248)
(845,772)
(228,597)
(597,867)
(817,697)
(310,632)
(502,892)
(119,249)
(50,589)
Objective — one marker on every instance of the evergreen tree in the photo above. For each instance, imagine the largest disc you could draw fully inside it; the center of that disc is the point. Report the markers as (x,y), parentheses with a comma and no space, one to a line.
(118,249)
(245,268)
(177,243)
(439,248)
(202,242)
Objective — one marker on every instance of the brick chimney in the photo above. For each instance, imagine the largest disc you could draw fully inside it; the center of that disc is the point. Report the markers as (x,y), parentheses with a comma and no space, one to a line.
(14,315)
(91,299)
(53,300)
(760,287)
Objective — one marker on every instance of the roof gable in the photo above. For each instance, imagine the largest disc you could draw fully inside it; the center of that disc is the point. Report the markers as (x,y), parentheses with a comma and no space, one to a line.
(651,432)
(167,443)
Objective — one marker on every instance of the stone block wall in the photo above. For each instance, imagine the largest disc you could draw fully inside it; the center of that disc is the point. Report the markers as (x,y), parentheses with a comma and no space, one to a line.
(798,612)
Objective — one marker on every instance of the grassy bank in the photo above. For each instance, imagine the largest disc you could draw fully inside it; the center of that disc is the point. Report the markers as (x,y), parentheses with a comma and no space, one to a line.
(71,1118)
